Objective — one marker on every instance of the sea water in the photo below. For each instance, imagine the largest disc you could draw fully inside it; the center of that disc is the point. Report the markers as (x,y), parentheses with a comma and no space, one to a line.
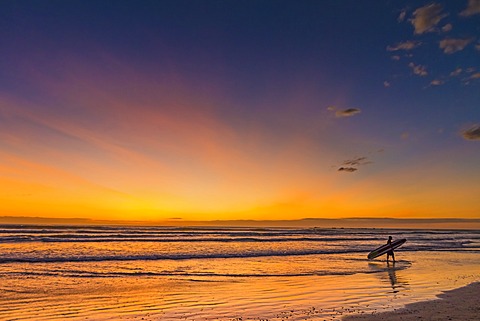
(222,273)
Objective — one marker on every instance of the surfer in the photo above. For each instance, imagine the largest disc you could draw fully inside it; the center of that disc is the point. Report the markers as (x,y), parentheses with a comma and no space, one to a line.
(386,249)
(389,242)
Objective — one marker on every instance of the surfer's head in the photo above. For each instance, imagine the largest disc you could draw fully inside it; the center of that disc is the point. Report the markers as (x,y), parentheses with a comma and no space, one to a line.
(389,238)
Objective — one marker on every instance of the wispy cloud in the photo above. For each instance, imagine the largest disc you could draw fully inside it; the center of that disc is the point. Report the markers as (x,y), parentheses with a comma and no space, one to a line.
(357,161)
(395,57)
(436,82)
(406,45)
(473,133)
(351,165)
(452,45)
(473,8)
(386,84)
(402,15)
(456,72)
(474,76)
(448,27)
(426,18)
(418,69)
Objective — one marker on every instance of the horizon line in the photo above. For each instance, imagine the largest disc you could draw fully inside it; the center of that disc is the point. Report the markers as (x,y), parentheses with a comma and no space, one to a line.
(345,222)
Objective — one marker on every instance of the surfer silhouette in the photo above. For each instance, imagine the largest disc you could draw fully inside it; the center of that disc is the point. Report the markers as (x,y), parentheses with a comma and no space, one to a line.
(389,242)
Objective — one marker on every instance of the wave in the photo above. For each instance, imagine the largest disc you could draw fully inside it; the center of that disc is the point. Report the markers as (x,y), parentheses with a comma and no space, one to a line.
(159,257)
(181,274)
(372,268)
(162,239)
(189,256)
(16,233)
(453,242)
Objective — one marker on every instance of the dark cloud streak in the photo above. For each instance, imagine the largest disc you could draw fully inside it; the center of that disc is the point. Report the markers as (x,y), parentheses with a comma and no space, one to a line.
(347,169)
(347,112)
(472,133)
(351,165)
(357,161)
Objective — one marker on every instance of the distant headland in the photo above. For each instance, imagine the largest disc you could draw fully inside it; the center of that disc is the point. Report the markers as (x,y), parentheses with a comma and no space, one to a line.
(352,222)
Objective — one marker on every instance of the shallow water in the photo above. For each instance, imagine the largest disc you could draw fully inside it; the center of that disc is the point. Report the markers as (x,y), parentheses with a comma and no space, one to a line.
(223,273)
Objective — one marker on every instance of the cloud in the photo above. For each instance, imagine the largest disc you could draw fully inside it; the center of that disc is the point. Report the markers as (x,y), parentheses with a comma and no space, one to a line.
(472,133)
(456,72)
(477,46)
(347,169)
(474,76)
(347,112)
(357,161)
(436,82)
(396,58)
(418,69)
(473,8)
(401,16)
(426,18)
(351,165)
(386,84)
(448,27)
(406,45)
(451,45)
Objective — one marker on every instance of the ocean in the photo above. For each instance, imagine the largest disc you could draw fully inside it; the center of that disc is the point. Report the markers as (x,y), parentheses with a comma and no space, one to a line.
(222,273)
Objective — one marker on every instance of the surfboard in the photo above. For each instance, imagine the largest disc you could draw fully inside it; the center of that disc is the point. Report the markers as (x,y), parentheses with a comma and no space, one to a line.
(385,248)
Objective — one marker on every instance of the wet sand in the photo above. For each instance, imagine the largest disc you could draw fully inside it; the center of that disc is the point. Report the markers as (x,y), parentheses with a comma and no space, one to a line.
(459,304)
(381,287)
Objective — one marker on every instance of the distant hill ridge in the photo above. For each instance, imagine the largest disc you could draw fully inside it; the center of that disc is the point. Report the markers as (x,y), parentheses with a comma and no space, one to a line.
(352,222)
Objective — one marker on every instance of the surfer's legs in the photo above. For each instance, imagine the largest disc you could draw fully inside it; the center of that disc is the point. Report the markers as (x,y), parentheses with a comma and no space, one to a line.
(388,256)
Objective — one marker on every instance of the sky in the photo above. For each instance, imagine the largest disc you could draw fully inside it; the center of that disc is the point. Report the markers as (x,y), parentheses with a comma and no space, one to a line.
(220,110)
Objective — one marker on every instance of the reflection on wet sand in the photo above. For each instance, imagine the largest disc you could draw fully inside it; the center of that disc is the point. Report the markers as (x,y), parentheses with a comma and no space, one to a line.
(398,283)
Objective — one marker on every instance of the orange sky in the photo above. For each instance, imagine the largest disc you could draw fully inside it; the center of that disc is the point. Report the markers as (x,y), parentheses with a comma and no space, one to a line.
(157,154)
(222,123)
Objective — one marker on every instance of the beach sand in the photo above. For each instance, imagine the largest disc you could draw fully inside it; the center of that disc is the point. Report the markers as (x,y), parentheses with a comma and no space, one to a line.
(382,287)
(459,304)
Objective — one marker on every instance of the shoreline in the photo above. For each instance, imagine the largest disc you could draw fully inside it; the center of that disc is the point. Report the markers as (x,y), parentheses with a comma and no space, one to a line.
(139,274)
(458,304)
